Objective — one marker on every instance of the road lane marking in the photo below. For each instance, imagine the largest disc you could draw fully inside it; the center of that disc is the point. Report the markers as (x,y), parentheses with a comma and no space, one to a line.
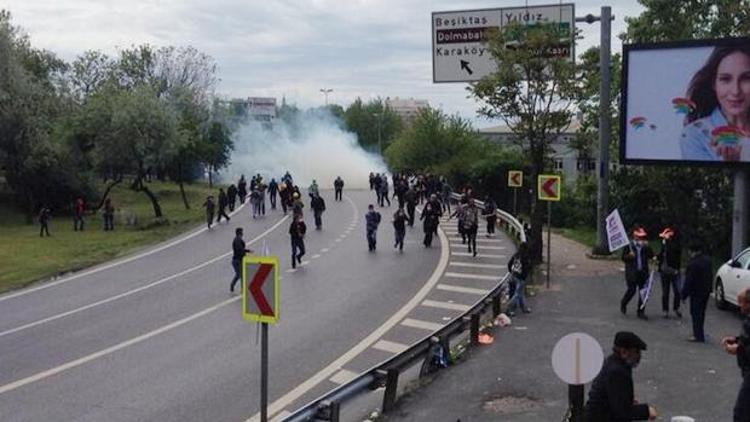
(461,289)
(390,346)
(476,265)
(343,376)
(316,256)
(136,290)
(483,247)
(324,250)
(281,416)
(78,362)
(374,336)
(424,325)
(111,264)
(446,305)
(478,255)
(472,276)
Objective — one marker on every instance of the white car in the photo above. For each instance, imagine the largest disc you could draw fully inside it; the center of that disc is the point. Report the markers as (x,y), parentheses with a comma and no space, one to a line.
(731,278)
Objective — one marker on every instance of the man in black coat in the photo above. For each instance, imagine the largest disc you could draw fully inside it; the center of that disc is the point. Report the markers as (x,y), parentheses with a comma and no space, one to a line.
(636,257)
(740,346)
(318,205)
(239,250)
(670,260)
(698,285)
(611,398)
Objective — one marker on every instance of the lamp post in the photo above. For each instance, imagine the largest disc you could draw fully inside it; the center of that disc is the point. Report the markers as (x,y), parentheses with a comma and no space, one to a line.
(380,144)
(325,92)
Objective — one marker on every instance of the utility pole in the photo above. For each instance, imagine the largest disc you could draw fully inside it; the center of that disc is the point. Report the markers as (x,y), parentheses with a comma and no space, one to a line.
(602,196)
(325,92)
(739,212)
(380,143)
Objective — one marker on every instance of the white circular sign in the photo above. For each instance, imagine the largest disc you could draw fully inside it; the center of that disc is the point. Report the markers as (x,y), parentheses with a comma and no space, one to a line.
(577,358)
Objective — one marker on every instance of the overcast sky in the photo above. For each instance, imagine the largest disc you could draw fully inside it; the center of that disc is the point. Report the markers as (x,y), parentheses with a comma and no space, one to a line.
(292,48)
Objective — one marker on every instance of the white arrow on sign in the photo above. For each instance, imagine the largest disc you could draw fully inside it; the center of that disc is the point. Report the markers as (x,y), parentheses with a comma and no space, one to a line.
(577,358)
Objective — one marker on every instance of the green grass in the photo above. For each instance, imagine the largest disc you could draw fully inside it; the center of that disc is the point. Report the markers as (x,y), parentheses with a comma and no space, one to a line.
(582,235)
(25,257)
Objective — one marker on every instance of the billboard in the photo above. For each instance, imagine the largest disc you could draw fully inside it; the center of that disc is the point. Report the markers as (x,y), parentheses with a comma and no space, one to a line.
(686,103)
(262,108)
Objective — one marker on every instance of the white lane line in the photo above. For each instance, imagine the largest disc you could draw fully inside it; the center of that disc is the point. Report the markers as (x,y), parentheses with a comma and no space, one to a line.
(338,240)
(343,376)
(390,346)
(472,276)
(483,247)
(475,265)
(461,289)
(78,362)
(291,270)
(446,305)
(110,265)
(281,416)
(134,291)
(424,325)
(478,255)
(324,250)
(334,366)
(316,256)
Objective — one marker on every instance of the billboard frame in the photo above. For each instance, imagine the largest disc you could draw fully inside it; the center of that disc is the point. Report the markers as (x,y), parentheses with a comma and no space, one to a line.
(626,49)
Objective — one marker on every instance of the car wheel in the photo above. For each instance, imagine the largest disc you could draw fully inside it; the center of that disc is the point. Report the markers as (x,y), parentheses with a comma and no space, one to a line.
(721,302)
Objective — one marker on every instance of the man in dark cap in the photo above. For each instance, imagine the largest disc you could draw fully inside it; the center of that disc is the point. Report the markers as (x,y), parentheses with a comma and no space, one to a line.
(611,398)
(698,286)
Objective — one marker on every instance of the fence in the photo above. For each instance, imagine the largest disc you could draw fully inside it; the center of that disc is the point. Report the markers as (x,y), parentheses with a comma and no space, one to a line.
(384,377)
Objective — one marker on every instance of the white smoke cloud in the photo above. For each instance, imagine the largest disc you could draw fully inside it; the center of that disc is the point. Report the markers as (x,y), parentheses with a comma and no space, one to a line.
(311,145)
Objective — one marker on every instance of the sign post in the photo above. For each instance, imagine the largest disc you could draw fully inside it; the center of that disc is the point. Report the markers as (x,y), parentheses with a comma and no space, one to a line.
(577,359)
(549,189)
(515,181)
(260,303)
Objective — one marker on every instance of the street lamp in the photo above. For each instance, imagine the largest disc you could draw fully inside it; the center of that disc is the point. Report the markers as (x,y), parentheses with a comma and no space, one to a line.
(325,92)
(380,144)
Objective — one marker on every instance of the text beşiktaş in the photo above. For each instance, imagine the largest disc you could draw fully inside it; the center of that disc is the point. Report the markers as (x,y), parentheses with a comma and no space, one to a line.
(460,21)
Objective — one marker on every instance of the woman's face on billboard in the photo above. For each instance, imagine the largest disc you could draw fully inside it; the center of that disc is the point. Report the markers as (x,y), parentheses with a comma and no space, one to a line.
(733,85)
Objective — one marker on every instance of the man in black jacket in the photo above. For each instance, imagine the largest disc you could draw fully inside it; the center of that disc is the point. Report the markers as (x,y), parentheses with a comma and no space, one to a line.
(740,346)
(239,250)
(338,188)
(297,232)
(611,398)
(636,257)
(670,260)
(698,285)
(318,205)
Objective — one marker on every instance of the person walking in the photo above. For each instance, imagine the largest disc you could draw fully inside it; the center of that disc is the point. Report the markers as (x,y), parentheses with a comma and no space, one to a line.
(490,213)
(460,214)
(446,191)
(45,214)
(410,198)
(210,207)
(431,219)
(313,189)
(109,215)
(297,232)
(273,189)
(471,225)
(399,227)
(239,250)
(740,346)
(372,220)
(636,257)
(338,187)
(384,191)
(284,196)
(519,268)
(223,203)
(242,189)
(669,260)
(611,398)
(231,197)
(297,205)
(698,286)
(79,208)
(318,205)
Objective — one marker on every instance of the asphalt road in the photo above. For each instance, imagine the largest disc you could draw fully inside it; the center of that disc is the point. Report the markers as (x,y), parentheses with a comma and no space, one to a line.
(158,337)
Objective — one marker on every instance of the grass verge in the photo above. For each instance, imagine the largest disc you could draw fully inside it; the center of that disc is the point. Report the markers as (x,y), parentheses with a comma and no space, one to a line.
(25,257)
(582,235)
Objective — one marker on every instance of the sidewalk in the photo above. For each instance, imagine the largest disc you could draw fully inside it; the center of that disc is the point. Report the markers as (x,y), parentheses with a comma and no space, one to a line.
(513,380)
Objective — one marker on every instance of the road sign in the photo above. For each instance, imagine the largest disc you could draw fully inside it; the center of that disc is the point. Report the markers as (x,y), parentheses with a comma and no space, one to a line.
(260,288)
(577,358)
(549,187)
(515,178)
(459,49)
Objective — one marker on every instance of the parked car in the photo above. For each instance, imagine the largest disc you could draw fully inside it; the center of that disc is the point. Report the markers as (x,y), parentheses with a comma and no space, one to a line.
(732,277)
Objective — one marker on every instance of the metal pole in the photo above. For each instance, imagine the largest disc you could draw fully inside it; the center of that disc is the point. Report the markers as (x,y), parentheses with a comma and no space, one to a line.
(575,400)
(380,145)
(549,236)
(264,372)
(739,212)
(604,132)
(515,202)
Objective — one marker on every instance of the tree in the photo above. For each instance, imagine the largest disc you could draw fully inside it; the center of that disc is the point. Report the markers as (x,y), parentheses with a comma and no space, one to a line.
(375,124)
(89,72)
(533,92)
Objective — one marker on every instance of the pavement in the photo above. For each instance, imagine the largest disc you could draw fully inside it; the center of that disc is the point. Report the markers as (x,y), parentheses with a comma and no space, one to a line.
(512,379)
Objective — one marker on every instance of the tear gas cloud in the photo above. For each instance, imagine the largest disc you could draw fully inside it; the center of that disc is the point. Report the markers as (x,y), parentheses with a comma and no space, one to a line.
(310,145)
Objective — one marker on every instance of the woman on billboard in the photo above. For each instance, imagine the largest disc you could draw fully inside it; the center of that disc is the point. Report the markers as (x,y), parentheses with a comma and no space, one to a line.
(719,102)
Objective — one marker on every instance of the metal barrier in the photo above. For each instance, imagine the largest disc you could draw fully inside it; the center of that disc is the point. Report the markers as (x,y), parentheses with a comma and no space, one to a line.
(386,374)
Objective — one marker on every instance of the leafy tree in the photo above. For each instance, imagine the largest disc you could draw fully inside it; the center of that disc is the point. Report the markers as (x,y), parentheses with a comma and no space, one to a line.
(533,92)
(371,122)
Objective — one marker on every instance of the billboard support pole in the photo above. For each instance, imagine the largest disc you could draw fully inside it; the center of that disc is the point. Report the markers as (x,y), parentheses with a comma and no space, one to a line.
(739,213)
(264,372)
(605,132)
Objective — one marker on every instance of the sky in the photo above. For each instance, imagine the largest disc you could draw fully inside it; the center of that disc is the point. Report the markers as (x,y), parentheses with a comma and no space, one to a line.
(287,48)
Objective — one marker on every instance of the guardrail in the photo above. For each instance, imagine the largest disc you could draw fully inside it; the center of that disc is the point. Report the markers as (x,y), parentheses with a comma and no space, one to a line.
(386,375)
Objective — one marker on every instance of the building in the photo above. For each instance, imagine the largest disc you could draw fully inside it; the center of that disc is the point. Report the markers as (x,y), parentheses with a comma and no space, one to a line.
(262,109)
(406,108)
(567,161)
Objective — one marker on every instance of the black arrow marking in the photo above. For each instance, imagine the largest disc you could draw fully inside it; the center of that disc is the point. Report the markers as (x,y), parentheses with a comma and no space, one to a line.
(465,66)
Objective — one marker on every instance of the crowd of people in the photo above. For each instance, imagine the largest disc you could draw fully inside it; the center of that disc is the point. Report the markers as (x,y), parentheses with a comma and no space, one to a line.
(80,212)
